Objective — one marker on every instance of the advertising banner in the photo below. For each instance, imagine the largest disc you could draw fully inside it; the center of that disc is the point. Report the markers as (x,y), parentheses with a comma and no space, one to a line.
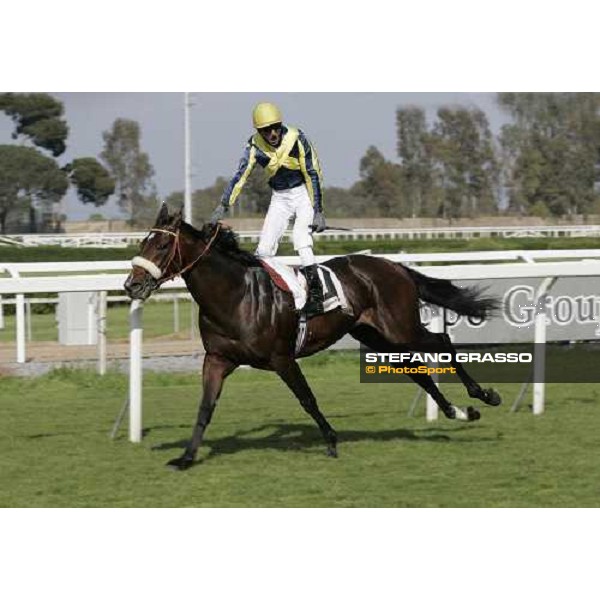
(572,307)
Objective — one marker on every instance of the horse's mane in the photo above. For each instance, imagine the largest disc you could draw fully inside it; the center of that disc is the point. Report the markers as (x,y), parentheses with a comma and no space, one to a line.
(226,242)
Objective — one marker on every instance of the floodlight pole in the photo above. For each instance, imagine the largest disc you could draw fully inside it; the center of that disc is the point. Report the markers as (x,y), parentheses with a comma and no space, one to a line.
(187,204)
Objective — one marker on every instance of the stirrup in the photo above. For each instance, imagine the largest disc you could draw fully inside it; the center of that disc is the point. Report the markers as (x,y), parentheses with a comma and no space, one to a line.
(313,308)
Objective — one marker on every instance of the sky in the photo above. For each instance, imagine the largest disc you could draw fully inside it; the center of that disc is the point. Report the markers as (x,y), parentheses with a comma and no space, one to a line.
(342,125)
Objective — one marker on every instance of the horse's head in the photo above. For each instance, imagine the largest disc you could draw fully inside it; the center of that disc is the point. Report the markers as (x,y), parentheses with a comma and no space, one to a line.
(157,261)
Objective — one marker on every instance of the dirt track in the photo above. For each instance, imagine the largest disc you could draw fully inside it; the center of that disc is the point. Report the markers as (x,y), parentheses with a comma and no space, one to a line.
(46,353)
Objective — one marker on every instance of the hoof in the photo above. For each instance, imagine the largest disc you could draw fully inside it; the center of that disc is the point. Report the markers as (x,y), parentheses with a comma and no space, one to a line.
(450,413)
(469,415)
(473,414)
(332,452)
(180,464)
(492,397)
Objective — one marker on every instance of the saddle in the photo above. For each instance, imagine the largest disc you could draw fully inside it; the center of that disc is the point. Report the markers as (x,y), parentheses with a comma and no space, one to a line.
(292,280)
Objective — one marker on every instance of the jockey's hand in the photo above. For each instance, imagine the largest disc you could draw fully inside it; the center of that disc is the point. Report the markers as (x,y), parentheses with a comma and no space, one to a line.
(218,214)
(319,224)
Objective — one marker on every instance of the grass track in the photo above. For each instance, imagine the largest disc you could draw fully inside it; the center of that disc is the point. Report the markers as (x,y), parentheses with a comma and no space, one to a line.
(262,450)
(57,253)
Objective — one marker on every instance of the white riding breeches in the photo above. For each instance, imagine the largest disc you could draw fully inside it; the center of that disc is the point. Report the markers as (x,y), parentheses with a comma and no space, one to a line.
(284,206)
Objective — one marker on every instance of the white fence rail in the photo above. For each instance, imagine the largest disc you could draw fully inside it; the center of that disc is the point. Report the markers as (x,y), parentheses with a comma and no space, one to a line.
(16,269)
(123,239)
(106,282)
(113,282)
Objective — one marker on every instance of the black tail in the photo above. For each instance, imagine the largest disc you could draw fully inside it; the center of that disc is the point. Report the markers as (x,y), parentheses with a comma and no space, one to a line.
(468,301)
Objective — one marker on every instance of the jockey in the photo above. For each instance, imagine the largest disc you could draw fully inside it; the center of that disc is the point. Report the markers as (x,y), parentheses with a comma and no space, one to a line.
(295,178)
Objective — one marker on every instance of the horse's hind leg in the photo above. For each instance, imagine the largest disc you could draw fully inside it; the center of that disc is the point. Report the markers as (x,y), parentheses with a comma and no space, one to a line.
(291,374)
(214,372)
(377,342)
(451,412)
(489,396)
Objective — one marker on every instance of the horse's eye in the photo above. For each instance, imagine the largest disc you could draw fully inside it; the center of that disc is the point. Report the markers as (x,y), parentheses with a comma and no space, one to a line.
(163,246)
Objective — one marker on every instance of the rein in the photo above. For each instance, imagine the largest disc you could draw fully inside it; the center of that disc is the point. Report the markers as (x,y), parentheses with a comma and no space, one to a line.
(176,249)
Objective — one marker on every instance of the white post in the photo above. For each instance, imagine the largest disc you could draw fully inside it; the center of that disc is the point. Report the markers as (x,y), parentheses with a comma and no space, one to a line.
(28,319)
(91,325)
(539,359)
(102,333)
(20,314)
(187,206)
(539,366)
(436,326)
(135,371)
(175,315)
(1,314)
(19,319)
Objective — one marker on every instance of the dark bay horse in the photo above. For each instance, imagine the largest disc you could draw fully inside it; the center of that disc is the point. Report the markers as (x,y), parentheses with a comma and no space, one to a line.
(245,319)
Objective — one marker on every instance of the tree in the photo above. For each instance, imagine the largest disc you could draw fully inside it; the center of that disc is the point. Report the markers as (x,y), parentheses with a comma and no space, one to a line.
(551,152)
(93,182)
(255,200)
(204,201)
(381,184)
(413,150)
(146,210)
(28,179)
(341,202)
(38,118)
(465,161)
(130,168)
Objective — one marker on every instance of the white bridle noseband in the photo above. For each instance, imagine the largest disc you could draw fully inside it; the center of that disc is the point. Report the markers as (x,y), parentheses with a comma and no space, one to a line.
(147,265)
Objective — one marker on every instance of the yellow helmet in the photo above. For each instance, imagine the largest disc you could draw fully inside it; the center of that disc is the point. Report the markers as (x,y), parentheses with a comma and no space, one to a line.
(265,114)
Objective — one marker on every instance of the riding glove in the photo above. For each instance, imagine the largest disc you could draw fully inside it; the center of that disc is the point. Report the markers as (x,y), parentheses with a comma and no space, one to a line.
(218,214)
(319,224)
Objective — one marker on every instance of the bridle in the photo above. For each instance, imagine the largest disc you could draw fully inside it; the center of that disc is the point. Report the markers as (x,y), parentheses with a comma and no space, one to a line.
(175,251)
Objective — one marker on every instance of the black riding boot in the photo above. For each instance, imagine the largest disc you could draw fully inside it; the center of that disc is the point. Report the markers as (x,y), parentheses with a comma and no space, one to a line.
(314,302)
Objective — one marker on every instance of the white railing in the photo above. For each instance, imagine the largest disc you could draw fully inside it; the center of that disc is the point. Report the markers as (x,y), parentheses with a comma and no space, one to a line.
(66,267)
(17,270)
(123,239)
(112,282)
(548,271)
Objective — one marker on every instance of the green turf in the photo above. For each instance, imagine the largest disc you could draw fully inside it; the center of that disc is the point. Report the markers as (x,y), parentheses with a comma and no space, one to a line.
(446,245)
(56,253)
(262,450)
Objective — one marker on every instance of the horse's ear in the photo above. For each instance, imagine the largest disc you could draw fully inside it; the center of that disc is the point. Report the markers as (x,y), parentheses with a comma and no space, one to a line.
(177,217)
(163,215)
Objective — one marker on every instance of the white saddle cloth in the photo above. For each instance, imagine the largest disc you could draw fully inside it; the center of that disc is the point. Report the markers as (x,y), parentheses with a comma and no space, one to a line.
(333,293)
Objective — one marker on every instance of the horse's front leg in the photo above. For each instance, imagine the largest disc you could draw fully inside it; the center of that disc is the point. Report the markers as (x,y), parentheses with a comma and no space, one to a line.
(289,371)
(216,369)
